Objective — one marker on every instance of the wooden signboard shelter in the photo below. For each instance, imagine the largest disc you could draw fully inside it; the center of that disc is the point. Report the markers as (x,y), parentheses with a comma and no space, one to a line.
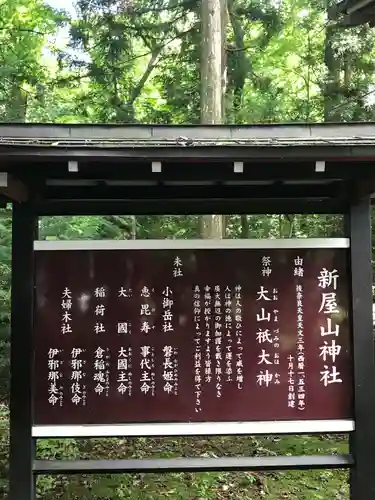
(188,325)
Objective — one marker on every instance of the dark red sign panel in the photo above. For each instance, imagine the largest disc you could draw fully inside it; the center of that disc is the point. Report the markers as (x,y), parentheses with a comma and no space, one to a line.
(127,336)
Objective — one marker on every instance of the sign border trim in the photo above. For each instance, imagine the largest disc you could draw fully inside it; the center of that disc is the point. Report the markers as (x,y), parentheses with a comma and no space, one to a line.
(197,244)
(196,429)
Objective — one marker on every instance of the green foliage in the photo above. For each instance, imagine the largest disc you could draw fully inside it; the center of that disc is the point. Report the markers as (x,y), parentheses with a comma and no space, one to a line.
(138,61)
(25,29)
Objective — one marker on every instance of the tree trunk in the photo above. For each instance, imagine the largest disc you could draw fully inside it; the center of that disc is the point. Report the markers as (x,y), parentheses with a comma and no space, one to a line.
(332,89)
(244,227)
(211,62)
(212,226)
(212,84)
(134,227)
(17,105)
(240,63)
(224,58)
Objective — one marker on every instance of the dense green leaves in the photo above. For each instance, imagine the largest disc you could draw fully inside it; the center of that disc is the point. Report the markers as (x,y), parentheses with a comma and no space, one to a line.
(139,61)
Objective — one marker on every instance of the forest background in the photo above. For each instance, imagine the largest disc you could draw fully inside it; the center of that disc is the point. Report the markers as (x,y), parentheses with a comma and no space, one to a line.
(138,61)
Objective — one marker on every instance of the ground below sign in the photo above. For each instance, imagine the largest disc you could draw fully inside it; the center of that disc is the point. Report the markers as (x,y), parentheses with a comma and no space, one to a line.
(191,335)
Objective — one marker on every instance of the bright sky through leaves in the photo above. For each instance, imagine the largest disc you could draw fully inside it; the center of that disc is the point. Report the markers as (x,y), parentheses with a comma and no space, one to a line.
(62,4)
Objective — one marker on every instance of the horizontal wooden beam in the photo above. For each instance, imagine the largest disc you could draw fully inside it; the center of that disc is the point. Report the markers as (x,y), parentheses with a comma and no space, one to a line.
(294,152)
(363,187)
(112,170)
(247,193)
(194,207)
(13,188)
(192,464)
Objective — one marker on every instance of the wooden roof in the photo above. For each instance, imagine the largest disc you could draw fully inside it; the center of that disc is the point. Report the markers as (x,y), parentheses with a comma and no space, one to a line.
(47,140)
(354,12)
(149,169)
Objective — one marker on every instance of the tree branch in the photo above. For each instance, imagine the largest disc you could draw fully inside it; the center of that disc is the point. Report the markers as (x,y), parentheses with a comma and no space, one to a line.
(147,10)
(26,30)
(151,65)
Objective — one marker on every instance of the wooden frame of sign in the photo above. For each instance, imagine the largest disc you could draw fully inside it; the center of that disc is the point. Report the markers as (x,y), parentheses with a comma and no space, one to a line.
(285,169)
